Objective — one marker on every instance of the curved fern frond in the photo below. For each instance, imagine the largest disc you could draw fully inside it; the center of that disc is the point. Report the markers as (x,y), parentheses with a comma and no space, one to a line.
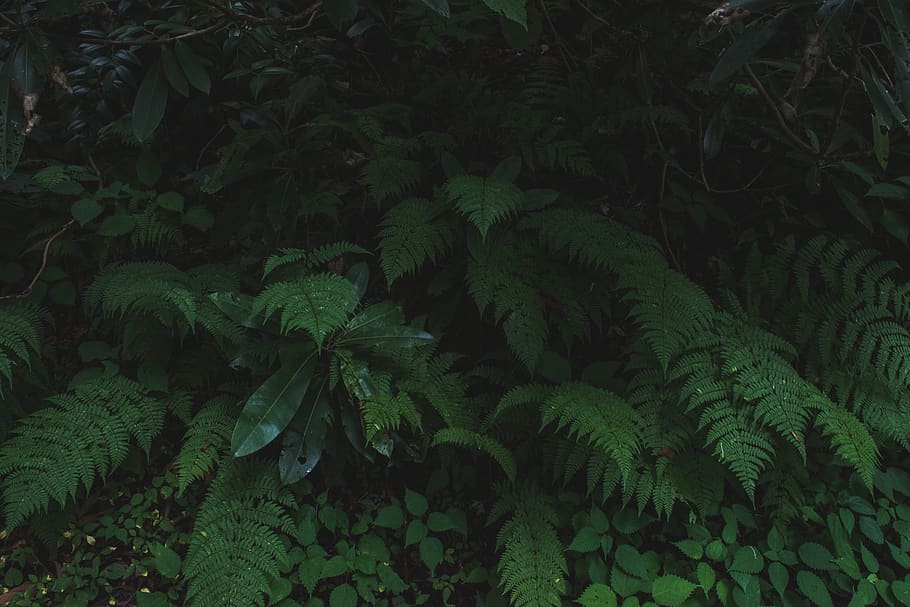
(484,202)
(469,439)
(851,440)
(317,304)
(599,417)
(411,235)
(238,548)
(206,440)
(532,566)
(20,337)
(305,260)
(85,435)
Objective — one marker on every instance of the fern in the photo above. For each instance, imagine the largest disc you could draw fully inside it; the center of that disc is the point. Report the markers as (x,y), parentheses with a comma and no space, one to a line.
(388,176)
(410,235)
(206,440)
(20,337)
(309,259)
(484,202)
(470,439)
(317,304)
(237,548)
(599,418)
(851,440)
(532,566)
(84,436)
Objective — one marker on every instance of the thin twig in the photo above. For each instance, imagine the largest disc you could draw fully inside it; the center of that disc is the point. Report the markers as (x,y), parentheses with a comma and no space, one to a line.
(796,139)
(47,246)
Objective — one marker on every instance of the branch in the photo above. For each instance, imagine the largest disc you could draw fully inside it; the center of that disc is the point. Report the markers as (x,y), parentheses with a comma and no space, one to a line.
(781,121)
(47,246)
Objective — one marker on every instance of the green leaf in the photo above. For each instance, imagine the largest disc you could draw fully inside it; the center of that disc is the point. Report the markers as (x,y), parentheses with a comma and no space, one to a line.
(438,522)
(193,67)
(888,190)
(86,209)
(514,10)
(743,50)
(747,559)
(690,548)
(172,201)
(12,123)
(440,7)
(706,576)
(272,407)
(304,441)
(118,224)
(629,559)
(901,591)
(416,531)
(817,557)
(814,588)
(379,326)
(173,72)
(150,103)
(671,590)
(597,595)
(343,596)
(152,599)
(167,562)
(415,503)
(390,517)
(586,540)
(431,553)
(390,579)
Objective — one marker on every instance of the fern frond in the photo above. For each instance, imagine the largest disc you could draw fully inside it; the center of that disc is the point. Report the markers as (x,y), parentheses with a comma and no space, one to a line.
(599,417)
(532,566)
(851,440)
(206,439)
(317,304)
(484,201)
(143,288)
(20,337)
(238,544)
(388,176)
(56,450)
(310,259)
(410,235)
(469,439)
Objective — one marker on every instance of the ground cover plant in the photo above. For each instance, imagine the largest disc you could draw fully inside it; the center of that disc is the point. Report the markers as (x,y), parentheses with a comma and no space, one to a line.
(468,302)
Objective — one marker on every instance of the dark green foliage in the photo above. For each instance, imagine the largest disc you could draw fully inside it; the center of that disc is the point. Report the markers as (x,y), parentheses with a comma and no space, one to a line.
(621,279)
(236,548)
(58,451)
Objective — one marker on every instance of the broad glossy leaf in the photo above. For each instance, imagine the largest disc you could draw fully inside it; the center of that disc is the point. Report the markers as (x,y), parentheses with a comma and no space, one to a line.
(339,11)
(150,103)
(304,441)
(236,306)
(86,209)
(881,99)
(379,326)
(743,50)
(597,595)
(272,406)
(814,589)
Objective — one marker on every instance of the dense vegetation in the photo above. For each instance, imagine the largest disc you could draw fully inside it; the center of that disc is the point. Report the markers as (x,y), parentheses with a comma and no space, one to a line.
(454,302)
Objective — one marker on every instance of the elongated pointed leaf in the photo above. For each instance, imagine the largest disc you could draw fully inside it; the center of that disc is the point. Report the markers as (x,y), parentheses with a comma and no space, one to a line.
(380,325)
(150,104)
(304,441)
(438,6)
(173,72)
(743,50)
(359,276)
(272,407)
(193,67)
(12,123)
